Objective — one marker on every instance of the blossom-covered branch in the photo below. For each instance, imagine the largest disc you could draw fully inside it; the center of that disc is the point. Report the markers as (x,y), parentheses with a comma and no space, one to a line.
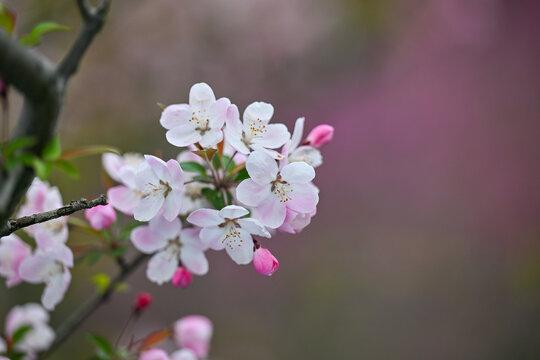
(43,87)
(74,206)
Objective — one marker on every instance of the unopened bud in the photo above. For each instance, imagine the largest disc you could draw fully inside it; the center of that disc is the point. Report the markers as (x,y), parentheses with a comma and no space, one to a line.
(264,262)
(142,301)
(101,217)
(320,135)
(182,277)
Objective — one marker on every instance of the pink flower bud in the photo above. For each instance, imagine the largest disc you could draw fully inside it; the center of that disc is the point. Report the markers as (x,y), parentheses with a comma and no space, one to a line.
(182,277)
(194,332)
(264,262)
(320,135)
(101,217)
(142,301)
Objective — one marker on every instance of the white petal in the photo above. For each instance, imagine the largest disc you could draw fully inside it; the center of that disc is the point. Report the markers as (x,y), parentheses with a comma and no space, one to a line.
(161,267)
(112,164)
(250,193)
(233,212)
(298,172)
(172,205)
(32,269)
(241,252)
(175,115)
(205,217)
(164,228)
(234,138)
(254,226)
(275,136)
(201,95)
(218,113)
(272,212)
(211,138)
(213,237)
(183,135)
(304,198)
(258,111)
(194,260)
(190,237)
(148,207)
(159,167)
(261,167)
(297,134)
(308,154)
(176,175)
(55,290)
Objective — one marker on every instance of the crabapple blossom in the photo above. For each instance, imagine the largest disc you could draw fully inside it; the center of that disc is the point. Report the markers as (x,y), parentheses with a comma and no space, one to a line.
(294,152)
(320,135)
(12,253)
(199,121)
(182,277)
(122,169)
(161,186)
(194,332)
(264,262)
(50,265)
(272,192)
(295,221)
(42,197)
(101,217)
(255,132)
(228,229)
(171,245)
(39,337)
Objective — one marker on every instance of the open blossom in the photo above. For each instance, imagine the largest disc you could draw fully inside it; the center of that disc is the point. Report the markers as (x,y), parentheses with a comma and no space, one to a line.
(255,132)
(228,229)
(199,121)
(12,253)
(294,152)
(41,197)
(101,216)
(272,192)
(295,221)
(171,245)
(194,332)
(50,265)
(160,184)
(122,169)
(40,337)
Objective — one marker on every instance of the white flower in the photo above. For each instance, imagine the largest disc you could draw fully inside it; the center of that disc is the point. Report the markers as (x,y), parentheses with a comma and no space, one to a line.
(40,337)
(294,152)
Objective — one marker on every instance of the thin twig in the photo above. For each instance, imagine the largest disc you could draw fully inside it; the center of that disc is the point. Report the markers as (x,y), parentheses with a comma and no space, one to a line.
(68,327)
(16,224)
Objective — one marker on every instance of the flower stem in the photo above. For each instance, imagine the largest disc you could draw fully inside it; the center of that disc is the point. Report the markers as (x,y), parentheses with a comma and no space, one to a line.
(68,327)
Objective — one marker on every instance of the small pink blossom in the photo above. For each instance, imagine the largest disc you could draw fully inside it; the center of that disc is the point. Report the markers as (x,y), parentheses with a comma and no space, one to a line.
(194,332)
(160,184)
(228,229)
(13,251)
(40,337)
(182,277)
(171,245)
(264,262)
(199,121)
(295,222)
(272,192)
(320,135)
(122,169)
(101,217)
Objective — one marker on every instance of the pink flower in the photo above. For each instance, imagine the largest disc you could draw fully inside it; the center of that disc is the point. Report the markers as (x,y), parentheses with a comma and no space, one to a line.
(295,221)
(264,262)
(227,229)
(142,301)
(201,121)
(101,217)
(161,186)
(170,244)
(40,337)
(255,132)
(50,265)
(122,169)
(320,135)
(182,277)
(272,191)
(42,197)
(194,332)
(12,253)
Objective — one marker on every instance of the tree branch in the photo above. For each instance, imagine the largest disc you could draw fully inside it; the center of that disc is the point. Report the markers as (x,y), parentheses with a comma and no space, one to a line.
(68,327)
(74,206)
(43,88)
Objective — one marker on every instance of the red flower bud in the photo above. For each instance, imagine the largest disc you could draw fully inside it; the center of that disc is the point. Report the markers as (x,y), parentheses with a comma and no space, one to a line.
(142,301)
(182,277)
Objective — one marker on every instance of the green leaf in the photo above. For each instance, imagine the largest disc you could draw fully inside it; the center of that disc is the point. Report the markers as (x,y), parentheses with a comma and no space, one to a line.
(42,168)
(226,160)
(68,167)
(119,251)
(20,333)
(7,18)
(102,282)
(242,175)
(52,149)
(19,143)
(216,162)
(195,167)
(88,150)
(93,257)
(215,197)
(34,38)
(104,349)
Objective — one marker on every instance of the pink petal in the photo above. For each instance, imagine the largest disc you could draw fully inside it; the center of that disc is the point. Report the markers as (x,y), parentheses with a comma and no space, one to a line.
(164,228)
(148,208)
(194,260)
(272,212)
(175,115)
(176,175)
(159,167)
(233,212)
(205,217)
(161,267)
(146,241)
(123,198)
(250,193)
(172,204)
(304,198)
(32,269)
(154,354)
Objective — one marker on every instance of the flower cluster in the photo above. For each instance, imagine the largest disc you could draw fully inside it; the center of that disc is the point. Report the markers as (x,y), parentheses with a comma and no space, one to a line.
(238,181)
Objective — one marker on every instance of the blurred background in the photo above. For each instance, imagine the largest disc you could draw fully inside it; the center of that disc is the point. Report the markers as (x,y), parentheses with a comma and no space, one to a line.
(426,244)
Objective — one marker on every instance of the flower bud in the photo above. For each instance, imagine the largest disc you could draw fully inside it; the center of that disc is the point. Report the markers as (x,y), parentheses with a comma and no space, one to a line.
(194,332)
(101,217)
(264,262)
(320,135)
(142,301)
(182,277)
